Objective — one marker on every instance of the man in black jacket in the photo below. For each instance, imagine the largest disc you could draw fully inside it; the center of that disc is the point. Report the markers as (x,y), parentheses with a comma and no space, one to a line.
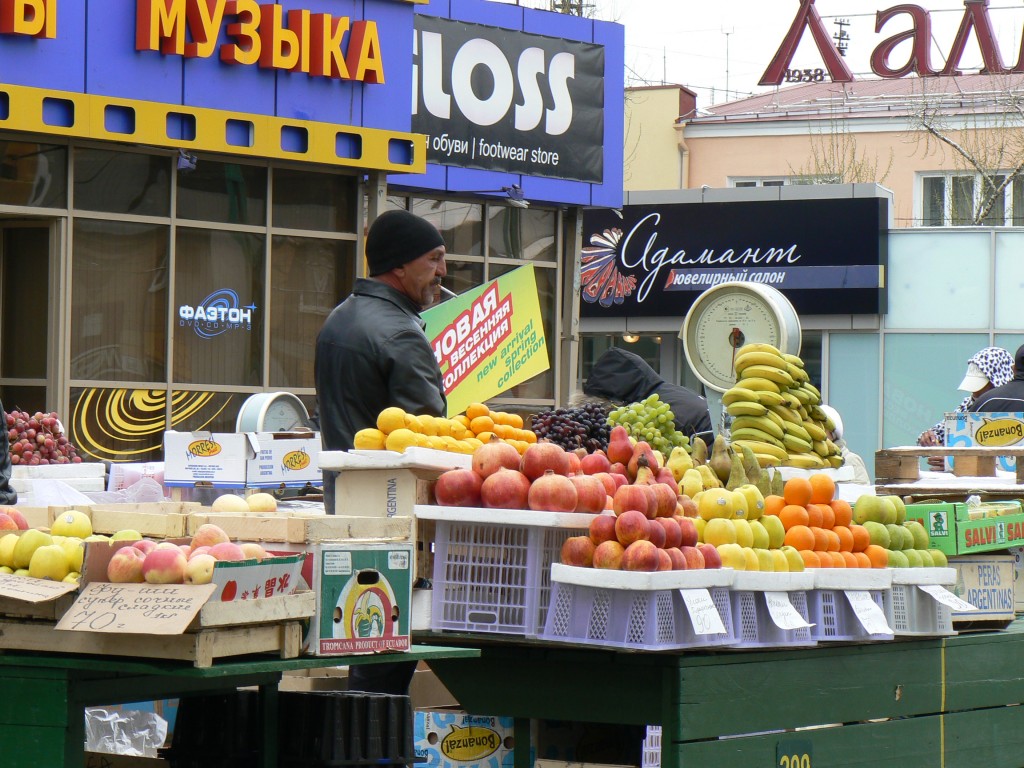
(1008,398)
(8,495)
(624,377)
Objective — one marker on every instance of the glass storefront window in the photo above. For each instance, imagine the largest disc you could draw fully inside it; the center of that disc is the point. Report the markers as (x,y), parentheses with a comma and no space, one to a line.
(116,181)
(460,224)
(463,275)
(219,313)
(231,193)
(321,201)
(517,233)
(308,279)
(119,301)
(33,174)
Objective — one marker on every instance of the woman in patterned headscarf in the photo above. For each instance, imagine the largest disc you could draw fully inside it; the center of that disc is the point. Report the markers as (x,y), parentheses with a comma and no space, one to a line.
(991,367)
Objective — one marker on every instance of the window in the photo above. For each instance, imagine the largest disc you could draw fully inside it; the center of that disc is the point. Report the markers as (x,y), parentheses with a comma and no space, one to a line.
(969,199)
(767,182)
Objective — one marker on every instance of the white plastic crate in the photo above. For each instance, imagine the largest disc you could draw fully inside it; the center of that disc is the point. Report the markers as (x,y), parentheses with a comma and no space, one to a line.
(911,611)
(829,609)
(651,757)
(492,568)
(638,611)
(750,611)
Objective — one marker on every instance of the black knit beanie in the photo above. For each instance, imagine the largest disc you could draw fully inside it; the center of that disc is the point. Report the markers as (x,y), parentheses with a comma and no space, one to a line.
(398,237)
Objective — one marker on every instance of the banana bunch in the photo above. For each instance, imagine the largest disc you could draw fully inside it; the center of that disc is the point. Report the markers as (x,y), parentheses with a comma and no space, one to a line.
(776,410)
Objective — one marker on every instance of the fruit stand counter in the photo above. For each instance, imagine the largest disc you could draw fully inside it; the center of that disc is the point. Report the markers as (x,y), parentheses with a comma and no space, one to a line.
(42,697)
(923,703)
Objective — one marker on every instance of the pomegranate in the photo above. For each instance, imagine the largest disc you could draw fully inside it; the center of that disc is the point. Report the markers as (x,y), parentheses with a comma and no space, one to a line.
(493,455)
(505,489)
(552,492)
(590,493)
(459,488)
(540,457)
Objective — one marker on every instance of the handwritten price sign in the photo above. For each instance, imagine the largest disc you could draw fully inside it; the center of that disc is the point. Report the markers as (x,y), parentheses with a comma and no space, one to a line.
(154,609)
(703,613)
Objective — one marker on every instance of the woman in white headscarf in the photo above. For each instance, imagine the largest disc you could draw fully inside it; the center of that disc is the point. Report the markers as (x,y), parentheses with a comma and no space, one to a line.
(850,459)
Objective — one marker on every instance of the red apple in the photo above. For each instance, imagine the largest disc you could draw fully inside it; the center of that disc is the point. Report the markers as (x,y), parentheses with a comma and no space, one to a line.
(227,550)
(608,555)
(492,456)
(253,551)
(590,493)
(641,556)
(542,456)
(711,557)
(125,567)
(199,551)
(207,535)
(553,493)
(595,463)
(145,546)
(199,569)
(164,566)
(505,489)
(461,487)
(628,497)
(631,526)
(578,551)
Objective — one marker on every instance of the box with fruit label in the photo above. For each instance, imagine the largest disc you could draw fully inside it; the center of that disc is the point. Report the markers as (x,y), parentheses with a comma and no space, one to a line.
(986,582)
(209,458)
(450,738)
(284,459)
(959,529)
(989,430)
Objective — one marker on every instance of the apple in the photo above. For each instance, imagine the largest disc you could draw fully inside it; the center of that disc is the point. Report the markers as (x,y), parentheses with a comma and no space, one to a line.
(145,546)
(164,566)
(261,502)
(198,551)
(199,569)
(208,534)
(125,566)
(253,551)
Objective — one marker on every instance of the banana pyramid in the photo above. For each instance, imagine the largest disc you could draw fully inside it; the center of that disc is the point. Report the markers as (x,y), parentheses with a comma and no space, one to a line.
(776,411)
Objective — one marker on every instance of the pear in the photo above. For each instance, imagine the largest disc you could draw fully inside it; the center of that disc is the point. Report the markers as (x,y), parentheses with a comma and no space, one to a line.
(750,464)
(699,450)
(679,461)
(720,461)
(692,482)
(737,475)
(708,476)
(777,483)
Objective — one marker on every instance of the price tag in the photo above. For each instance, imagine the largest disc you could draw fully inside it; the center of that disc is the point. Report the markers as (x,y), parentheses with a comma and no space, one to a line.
(152,609)
(33,590)
(703,613)
(782,611)
(944,596)
(868,613)
(793,753)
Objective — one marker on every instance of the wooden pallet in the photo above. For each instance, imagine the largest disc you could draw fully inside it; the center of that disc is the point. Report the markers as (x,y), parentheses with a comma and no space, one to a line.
(304,529)
(903,463)
(221,630)
(50,610)
(159,519)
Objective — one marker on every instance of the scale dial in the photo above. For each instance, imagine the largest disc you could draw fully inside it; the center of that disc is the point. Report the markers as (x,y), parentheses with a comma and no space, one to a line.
(732,314)
(272,412)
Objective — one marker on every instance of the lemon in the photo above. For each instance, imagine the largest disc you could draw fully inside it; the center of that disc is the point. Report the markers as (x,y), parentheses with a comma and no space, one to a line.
(49,562)
(72,523)
(369,439)
(445,426)
(436,442)
(428,426)
(390,419)
(400,439)
(27,544)
(416,423)
(7,549)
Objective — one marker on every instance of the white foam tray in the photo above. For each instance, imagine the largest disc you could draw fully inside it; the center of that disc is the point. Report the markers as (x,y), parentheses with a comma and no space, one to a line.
(842,474)
(770,581)
(503,516)
(941,576)
(852,578)
(59,471)
(413,458)
(643,581)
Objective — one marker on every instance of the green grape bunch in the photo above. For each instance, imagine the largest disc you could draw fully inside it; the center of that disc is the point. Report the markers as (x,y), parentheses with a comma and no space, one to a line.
(650,420)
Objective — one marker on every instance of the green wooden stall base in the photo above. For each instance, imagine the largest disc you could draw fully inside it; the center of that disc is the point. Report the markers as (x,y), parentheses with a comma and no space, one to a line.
(927,703)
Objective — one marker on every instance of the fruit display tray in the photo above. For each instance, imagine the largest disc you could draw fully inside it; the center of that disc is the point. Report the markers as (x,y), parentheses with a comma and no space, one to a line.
(829,609)
(635,611)
(750,608)
(413,458)
(912,612)
(221,630)
(492,567)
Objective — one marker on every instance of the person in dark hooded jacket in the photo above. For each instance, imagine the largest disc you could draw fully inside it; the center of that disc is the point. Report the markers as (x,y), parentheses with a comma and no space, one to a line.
(624,377)
(1008,398)
(8,496)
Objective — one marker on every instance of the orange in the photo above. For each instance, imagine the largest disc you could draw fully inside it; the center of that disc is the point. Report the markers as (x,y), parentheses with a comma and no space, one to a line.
(516,420)
(845,538)
(811,559)
(863,561)
(800,537)
(824,558)
(476,409)
(797,490)
(820,539)
(484,437)
(834,542)
(823,489)
(792,515)
(851,560)
(879,557)
(773,504)
(529,436)
(828,515)
(462,419)
(504,431)
(814,516)
(500,417)
(843,511)
(482,424)
(861,538)
(838,561)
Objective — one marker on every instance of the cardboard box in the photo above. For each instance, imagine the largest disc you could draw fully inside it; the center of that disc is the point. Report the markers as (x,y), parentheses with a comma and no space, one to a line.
(218,459)
(284,460)
(448,738)
(391,492)
(364,597)
(952,531)
(1018,578)
(987,583)
(990,430)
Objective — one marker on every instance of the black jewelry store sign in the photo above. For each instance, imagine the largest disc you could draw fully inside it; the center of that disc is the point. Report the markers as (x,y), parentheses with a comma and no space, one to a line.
(827,256)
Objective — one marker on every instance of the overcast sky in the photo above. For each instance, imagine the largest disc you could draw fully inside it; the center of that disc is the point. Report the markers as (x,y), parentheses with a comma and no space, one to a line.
(708,45)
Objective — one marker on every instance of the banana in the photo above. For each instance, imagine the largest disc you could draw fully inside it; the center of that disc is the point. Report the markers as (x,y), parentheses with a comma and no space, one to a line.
(737,394)
(817,414)
(775,417)
(796,429)
(804,416)
(756,435)
(833,449)
(761,447)
(762,423)
(815,392)
(778,375)
(814,430)
(758,347)
(820,448)
(795,445)
(806,461)
(748,359)
(767,397)
(799,374)
(791,400)
(834,461)
(801,394)
(741,408)
(785,413)
(761,385)
(793,360)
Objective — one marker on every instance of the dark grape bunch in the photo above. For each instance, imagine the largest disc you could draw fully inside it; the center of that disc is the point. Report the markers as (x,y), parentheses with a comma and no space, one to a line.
(585,426)
(38,439)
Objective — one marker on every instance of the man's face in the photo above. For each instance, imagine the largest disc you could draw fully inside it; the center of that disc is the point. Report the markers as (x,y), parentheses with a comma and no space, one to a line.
(421,278)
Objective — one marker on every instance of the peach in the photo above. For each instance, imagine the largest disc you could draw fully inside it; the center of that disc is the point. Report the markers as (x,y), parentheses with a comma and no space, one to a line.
(578,551)
(641,556)
(631,526)
(602,529)
(7,523)
(694,556)
(688,529)
(628,497)
(656,534)
(678,559)
(673,534)
(665,562)
(608,555)
(711,557)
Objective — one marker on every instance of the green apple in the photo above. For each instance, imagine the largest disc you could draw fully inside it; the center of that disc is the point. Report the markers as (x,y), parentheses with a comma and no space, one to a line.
(755,501)
(761,538)
(744,533)
(796,563)
(765,561)
(732,556)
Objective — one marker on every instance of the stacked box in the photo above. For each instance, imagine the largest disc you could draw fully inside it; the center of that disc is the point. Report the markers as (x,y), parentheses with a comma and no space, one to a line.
(913,612)
(958,529)
(749,597)
(453,739)
(830,608)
